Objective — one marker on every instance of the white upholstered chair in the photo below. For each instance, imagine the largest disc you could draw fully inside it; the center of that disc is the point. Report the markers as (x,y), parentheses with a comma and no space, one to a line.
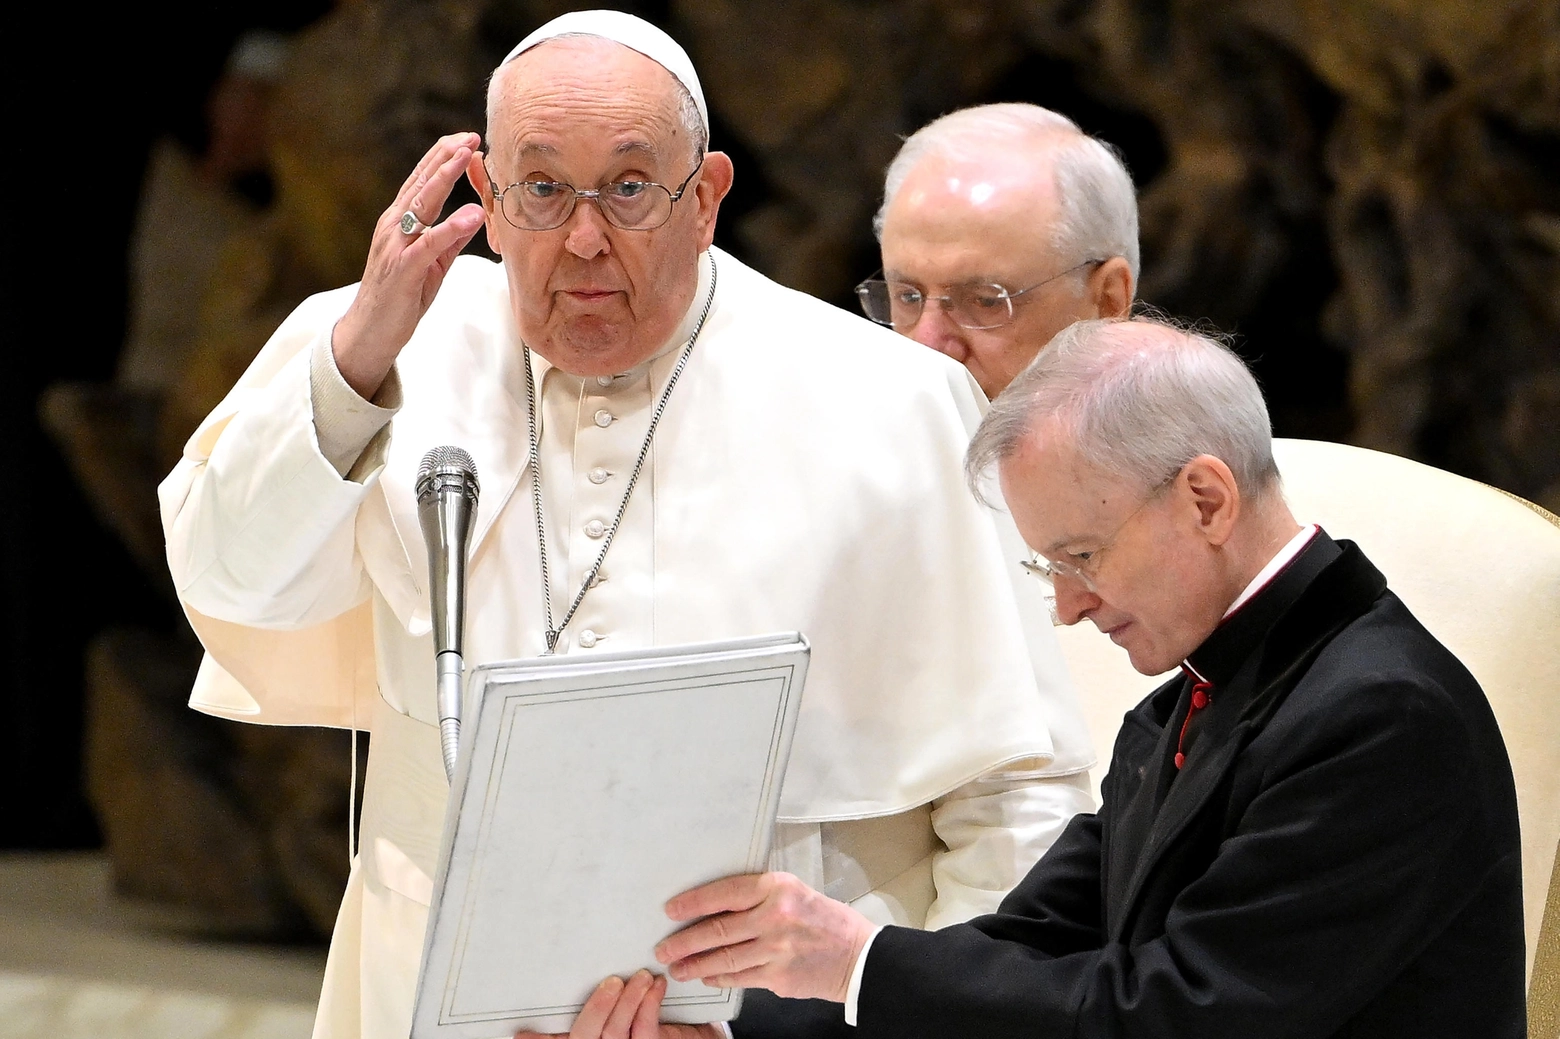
(1479,568)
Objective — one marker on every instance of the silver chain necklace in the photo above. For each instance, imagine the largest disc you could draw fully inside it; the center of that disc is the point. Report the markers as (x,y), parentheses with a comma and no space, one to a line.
(553,633)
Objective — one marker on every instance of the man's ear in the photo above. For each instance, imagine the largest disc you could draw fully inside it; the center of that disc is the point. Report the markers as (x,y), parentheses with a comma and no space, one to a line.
(1213,493)
(1110,288)
(714,181)
(476,173)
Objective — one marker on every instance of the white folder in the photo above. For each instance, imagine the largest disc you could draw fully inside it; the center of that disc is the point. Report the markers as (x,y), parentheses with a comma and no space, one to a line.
(590,789)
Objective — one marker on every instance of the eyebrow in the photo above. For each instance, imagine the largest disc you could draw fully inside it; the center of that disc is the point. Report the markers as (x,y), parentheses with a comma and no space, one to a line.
(1072,538)
(1057,545)
(974,279)
(535,148)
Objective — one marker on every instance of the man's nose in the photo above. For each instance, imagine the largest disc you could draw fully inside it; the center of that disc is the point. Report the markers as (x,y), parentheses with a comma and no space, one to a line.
(934,327)
(587,226)
(1073,599)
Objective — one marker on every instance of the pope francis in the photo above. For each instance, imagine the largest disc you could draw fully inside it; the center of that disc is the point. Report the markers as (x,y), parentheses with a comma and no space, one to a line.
(672,448)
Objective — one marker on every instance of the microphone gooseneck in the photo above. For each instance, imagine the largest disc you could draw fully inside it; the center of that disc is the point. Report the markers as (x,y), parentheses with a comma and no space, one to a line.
(446,507)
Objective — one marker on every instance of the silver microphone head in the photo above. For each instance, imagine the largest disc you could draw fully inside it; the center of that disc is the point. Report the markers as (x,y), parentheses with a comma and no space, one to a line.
(446,510)
(447,467)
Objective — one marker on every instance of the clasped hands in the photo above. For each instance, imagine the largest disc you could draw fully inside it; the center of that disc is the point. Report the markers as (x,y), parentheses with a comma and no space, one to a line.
(766,930)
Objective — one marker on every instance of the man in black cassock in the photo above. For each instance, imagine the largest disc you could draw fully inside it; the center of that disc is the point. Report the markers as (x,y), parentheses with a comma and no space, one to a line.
(1312,831)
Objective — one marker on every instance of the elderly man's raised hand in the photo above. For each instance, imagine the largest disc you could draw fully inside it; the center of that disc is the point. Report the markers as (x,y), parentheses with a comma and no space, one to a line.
(629,1009)
(404,271)
(766,930)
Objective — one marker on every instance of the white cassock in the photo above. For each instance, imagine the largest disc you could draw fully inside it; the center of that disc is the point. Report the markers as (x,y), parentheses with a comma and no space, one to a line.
(806,476)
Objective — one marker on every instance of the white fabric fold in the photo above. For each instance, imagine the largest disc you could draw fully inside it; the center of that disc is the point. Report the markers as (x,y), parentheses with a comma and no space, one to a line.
(344,423)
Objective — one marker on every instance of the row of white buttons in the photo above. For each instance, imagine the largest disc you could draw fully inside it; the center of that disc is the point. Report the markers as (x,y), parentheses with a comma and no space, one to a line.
(596,528)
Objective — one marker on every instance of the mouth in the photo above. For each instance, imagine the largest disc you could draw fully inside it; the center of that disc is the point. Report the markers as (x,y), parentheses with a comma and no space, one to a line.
(1114,633)
(589,295)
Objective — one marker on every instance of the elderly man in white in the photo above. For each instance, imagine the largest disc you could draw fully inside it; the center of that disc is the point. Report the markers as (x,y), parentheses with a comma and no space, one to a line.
(1000,226)
(773,463)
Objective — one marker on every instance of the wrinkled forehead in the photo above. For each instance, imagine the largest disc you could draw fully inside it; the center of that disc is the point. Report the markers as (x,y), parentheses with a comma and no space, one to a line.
(970,217)
(583,90)
(628,31)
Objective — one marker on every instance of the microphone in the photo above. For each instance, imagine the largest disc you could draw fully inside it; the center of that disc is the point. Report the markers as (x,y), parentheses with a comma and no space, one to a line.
(446,505)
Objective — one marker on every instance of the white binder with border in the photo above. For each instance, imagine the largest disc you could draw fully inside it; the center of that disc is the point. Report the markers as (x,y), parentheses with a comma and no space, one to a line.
(590,789)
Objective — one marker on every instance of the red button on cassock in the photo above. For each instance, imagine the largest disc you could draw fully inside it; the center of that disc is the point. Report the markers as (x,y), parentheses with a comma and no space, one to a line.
(1199,700)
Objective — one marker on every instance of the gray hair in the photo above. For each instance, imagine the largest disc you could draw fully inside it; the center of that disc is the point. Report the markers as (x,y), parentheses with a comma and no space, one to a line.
(687,109)
(1098,205)
(1137,398)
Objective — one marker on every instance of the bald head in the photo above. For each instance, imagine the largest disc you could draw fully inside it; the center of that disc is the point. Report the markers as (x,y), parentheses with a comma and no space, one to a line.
(1012,196)
(1029,148)
(984,202)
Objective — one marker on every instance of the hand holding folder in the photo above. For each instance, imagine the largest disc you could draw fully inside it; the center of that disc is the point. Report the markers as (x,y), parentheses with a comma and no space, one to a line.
(591,789)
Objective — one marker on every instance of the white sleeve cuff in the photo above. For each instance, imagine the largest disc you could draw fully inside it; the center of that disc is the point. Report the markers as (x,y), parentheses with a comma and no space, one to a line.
(853,990)
(725,1028)
(345,424)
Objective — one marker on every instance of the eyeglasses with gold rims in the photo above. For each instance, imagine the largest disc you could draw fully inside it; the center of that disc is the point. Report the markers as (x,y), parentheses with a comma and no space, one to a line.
(632,205)
(1084,567)
(977,305)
